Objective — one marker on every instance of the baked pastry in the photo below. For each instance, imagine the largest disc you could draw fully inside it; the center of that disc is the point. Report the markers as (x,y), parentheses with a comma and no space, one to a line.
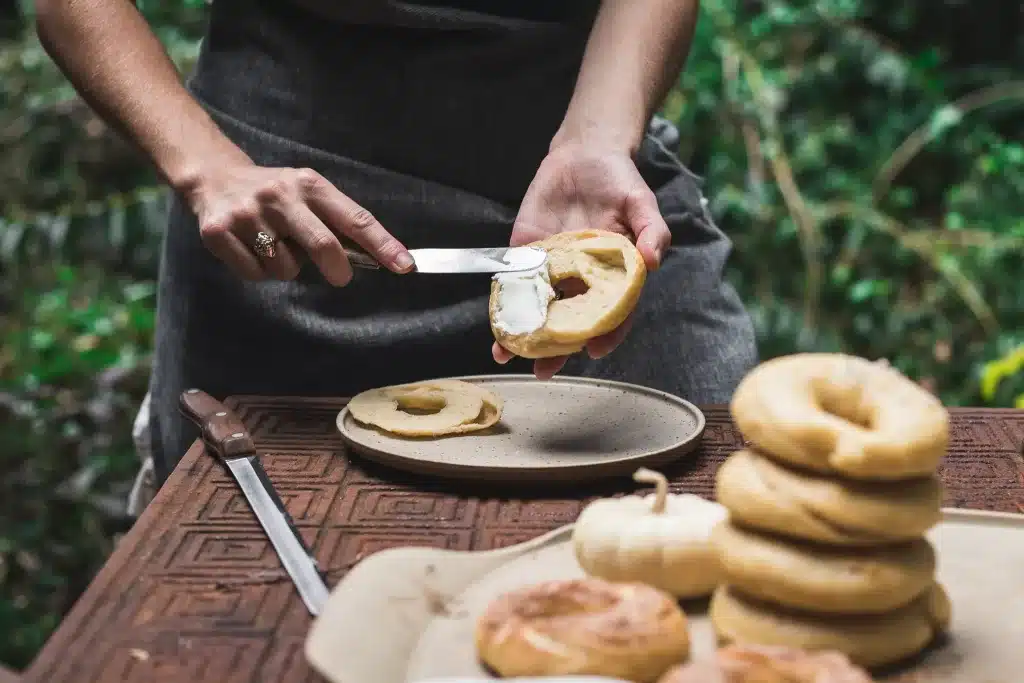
(824,579)
(765,495)
(583,627)
(870,641)
(768,664)
(531,679)
(662,540)
(833,413)
(528,319)
(434,408)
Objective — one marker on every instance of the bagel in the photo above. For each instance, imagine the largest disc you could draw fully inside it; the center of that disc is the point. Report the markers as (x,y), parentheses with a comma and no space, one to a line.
(833,413)
(870,641)
(529,320)
(583,627)
(824,579)
(434,408)
(767,664)
(763,495)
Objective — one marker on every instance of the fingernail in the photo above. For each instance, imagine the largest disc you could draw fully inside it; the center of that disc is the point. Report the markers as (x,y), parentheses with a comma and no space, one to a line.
(404,261)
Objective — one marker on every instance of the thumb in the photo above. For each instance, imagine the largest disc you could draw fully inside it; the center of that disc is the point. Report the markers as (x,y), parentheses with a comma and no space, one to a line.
(645,221)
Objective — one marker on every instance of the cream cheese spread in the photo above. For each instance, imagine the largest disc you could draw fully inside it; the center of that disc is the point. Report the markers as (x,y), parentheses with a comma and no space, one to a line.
(523,299)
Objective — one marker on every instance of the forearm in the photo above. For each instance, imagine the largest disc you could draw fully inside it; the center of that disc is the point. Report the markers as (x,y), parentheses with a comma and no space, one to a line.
(634,54)
(118,66)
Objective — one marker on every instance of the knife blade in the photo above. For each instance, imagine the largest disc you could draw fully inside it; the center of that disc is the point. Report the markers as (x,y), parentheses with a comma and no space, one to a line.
(227,438)
(454,261)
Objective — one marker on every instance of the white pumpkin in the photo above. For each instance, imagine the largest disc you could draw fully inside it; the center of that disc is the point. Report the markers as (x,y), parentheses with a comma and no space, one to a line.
(661,540)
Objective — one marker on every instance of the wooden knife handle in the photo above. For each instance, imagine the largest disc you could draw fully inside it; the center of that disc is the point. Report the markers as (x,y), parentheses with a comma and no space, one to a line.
(223,432)
(356,257)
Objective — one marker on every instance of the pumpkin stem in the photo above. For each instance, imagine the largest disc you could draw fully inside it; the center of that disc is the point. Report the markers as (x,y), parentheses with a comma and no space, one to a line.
(646,476)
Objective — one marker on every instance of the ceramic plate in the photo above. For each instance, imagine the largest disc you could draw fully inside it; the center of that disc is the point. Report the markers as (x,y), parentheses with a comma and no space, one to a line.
(565,428)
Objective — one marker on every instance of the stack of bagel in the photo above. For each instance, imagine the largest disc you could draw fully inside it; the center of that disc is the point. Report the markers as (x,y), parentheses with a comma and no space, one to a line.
(824,547)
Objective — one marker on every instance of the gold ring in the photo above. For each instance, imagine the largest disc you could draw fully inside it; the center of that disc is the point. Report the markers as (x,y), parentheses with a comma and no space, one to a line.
(266,245)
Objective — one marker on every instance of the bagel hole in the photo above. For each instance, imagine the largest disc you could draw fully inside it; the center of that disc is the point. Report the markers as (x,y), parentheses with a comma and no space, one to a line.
(569,287)
(421,403)
(839,405)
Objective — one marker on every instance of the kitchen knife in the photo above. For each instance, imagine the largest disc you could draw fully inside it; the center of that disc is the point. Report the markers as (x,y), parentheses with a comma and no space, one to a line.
(452,261)
(226,437)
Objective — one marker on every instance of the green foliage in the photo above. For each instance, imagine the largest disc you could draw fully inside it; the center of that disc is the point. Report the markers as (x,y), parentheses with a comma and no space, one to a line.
(1002,380)
(895,182)
(72,368)
(865,157)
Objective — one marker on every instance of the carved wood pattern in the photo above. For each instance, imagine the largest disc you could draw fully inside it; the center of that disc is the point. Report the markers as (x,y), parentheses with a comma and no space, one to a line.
(195,593)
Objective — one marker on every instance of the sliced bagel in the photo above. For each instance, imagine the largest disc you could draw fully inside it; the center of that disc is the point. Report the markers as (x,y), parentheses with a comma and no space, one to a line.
(528,319)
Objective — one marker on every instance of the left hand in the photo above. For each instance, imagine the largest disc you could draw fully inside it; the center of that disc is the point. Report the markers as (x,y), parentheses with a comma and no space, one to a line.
(579,187)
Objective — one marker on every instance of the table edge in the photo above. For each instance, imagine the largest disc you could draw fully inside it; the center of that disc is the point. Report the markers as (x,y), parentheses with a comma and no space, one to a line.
(59,641)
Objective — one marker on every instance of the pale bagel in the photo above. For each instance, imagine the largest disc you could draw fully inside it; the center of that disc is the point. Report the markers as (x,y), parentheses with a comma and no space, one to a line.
(870,641)
(840,414)
(824,579)
(607,263)
(423,409)
(765,495)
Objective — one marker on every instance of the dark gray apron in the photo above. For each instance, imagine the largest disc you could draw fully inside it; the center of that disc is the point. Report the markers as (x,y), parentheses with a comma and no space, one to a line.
(435,120)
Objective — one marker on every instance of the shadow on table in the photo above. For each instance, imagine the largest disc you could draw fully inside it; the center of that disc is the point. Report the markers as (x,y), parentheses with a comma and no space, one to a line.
(532,488)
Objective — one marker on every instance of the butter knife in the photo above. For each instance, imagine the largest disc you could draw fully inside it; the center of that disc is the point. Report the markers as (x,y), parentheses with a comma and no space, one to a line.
(226,437)
(453,261)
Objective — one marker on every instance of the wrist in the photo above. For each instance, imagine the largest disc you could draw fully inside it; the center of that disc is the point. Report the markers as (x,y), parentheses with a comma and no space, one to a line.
(192,176)
(617,138)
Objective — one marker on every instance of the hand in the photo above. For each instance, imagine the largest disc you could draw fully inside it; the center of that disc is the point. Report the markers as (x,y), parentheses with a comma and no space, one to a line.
(298,208)
(581,187)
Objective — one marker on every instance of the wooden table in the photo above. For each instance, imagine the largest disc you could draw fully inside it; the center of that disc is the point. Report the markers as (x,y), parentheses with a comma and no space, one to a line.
(195,594)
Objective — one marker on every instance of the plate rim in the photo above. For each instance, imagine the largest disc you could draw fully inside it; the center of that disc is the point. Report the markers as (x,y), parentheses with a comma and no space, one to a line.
(555,473)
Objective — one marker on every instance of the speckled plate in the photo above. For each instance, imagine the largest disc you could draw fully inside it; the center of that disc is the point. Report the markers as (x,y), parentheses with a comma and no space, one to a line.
(568,428)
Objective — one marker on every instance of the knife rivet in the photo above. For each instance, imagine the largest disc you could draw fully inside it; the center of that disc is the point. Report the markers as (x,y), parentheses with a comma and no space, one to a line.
(221,414)
(237,435)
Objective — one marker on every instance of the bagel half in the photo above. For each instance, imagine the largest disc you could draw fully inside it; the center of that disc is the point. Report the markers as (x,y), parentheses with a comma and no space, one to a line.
(870,640)
(839,414)
(823,579)
(427,409)
(529,320)
(762,494)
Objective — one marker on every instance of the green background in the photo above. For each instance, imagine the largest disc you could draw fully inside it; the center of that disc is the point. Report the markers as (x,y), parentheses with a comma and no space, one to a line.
(866,156)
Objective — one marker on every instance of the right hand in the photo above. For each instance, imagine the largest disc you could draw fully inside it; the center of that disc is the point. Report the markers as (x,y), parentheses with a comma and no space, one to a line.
(300,209)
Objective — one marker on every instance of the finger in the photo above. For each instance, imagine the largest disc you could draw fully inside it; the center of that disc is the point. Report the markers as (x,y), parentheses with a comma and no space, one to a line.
(546,368)
(282,265)
(230,250)
(285,265)
(647,224)
(599,347)
(501,354)
(346,217)
(316,239)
